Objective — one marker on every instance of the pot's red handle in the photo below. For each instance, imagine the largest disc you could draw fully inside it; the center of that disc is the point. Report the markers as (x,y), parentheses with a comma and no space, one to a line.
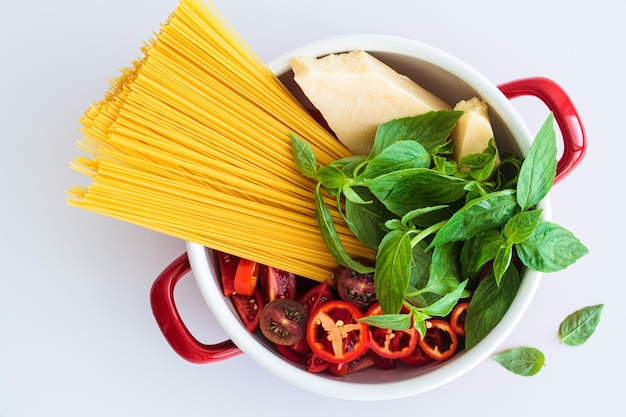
(171,324)
(566,115)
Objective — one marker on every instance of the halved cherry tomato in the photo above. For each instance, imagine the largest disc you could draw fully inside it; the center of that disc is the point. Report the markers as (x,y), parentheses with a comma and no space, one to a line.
(440,341)
(357,288)
(249,308)
(316,296)
(391,344)
(457,318)
(284,321)
(276,283)
(246,277)
(335,334)
(228,267)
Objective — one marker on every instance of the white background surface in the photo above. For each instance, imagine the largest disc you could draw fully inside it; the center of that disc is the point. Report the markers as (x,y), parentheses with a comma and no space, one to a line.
(77,336)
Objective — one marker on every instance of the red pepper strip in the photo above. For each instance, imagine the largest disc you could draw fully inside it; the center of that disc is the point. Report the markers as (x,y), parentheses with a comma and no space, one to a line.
(440,341)
(246,277)
(335,334)
(457,318)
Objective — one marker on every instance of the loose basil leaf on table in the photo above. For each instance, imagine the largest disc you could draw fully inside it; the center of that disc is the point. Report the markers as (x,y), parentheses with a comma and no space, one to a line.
(524,361)
(577,327)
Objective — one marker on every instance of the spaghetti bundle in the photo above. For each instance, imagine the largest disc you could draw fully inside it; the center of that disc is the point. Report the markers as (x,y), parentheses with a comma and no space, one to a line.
(192,140)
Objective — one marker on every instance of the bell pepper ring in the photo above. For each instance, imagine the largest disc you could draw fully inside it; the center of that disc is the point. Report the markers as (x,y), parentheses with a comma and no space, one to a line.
(391,344)
(440,342)
(335,334)
(457,318)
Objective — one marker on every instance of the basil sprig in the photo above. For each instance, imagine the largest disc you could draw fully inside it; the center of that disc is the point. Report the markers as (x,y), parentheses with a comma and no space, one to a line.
(436,223)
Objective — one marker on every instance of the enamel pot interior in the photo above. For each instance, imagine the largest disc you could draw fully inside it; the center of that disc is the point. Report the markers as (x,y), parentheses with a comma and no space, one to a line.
(452,80)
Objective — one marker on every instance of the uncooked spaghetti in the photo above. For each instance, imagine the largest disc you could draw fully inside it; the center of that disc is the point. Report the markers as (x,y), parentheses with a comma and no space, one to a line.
(192,140)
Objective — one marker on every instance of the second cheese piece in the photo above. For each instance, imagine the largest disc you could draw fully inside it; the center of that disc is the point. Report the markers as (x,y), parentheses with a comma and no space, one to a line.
(356,92)
(473,130)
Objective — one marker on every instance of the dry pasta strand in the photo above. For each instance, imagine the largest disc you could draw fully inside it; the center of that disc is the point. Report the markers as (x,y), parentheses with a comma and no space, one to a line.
(192,140)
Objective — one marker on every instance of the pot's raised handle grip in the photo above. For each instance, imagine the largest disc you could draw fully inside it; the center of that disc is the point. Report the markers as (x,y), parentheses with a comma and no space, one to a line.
(171,324)
(566,115)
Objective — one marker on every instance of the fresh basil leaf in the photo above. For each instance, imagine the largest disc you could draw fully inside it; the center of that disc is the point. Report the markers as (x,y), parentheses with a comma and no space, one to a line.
(521,226)
(304,157)
(445,270)
(445,148)
(365,220)
(349,164)
(507,172)
(393,270)
(410,189)
(353,196)
(388,321)
(420,264)
(524,361)
(419,321)
(577,327)
(502,261)
(539,167)
(489,304)
(479,250)
(420,212)
(481,165)
(400,155)
(331,177)
(444,165)
(331,238)
(445,304)
(479,215)
(550,248)
(395,224)
(430,129)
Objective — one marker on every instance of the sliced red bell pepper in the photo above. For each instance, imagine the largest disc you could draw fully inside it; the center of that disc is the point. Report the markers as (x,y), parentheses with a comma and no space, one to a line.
(440,341)
(335,334)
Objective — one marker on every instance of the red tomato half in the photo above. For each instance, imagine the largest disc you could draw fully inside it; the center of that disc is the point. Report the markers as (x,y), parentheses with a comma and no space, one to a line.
(228,268)
(440,341)
(335,334)
(316,296)
(249,308)
(276,283)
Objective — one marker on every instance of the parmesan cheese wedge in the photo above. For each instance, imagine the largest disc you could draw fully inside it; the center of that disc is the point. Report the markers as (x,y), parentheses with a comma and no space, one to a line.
(473,130)
(356,92)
